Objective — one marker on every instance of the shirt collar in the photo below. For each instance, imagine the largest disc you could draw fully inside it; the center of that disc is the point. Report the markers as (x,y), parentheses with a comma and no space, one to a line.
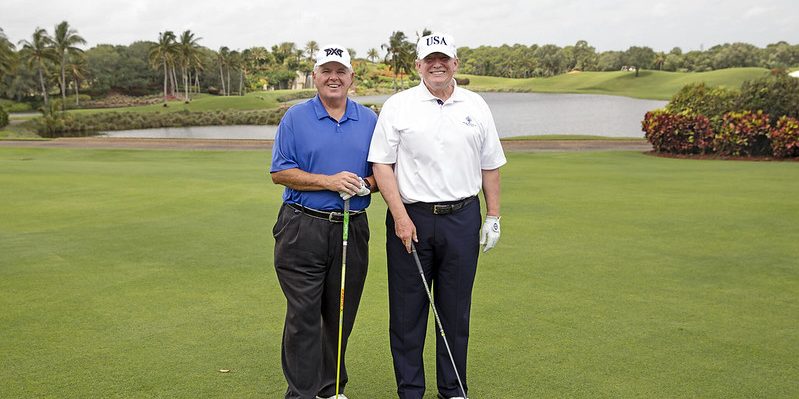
(350,113)
(423,93)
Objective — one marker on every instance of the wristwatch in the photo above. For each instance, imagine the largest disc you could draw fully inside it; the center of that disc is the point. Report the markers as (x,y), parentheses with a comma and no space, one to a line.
(367,185)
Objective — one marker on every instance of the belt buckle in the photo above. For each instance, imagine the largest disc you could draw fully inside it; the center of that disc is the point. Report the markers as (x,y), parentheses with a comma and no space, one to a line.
(439,209)
(331,217)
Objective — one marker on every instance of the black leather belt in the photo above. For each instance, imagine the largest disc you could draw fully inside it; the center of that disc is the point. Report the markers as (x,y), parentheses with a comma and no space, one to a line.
(444,208)
(330,216)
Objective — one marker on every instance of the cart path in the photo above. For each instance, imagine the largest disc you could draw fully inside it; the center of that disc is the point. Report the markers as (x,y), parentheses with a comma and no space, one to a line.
(266,145)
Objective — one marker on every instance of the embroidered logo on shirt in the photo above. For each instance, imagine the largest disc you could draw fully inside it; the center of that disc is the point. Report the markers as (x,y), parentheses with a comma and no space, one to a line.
(468,121)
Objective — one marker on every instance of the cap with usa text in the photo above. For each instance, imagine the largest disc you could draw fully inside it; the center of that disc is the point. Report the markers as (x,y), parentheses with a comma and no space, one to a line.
(436,43)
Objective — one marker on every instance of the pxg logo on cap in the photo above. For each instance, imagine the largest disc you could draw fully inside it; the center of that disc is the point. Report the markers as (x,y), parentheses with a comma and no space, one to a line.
(436,43)
(333,53)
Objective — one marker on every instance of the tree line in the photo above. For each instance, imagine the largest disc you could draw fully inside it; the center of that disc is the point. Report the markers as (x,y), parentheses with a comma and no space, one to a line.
(521,61)
(178,65)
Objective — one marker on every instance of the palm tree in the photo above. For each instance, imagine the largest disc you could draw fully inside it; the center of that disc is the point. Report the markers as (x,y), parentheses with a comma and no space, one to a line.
(188,49)
(372,55)
(37,53)
(245,64)
(311,48)
(224,58)
(283,51)
(407,62)
(65,40)
(162,55)
(234,59)
(79,69)
(396,52)
(7,55)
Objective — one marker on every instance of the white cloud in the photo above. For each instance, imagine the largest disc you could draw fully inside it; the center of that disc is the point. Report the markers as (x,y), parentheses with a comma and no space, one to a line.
(363,24)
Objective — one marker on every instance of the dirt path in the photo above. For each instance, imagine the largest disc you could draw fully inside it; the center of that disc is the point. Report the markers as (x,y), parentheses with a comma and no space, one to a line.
(265,145)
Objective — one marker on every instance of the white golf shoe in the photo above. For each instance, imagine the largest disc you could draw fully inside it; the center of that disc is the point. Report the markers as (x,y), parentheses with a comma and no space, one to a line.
(340,396)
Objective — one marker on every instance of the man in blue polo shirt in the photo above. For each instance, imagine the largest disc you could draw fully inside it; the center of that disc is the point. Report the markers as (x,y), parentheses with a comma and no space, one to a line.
(320,156)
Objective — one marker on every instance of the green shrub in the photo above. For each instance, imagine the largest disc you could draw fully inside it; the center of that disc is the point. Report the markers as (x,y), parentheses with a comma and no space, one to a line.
(777,96)
(743,133)
(785,138)
(13,106)
(699,99)
(57,124)
(678,133)
(297,95)
(3,118)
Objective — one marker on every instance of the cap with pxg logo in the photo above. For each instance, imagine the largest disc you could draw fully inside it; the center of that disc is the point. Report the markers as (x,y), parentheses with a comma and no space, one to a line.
(333,53)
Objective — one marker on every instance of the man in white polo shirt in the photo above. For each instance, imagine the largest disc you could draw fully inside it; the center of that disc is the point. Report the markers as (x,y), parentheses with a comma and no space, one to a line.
(434,148)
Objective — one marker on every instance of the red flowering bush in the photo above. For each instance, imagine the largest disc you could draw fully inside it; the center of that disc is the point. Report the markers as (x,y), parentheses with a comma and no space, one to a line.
(785,138)
(743,133)
(678,133)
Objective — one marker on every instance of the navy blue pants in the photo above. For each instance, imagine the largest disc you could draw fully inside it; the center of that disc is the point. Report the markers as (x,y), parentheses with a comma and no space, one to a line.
(448,248)
(308,266)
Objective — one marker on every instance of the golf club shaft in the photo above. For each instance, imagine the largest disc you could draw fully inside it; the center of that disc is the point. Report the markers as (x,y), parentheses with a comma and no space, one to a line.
(435,313)
(345,229)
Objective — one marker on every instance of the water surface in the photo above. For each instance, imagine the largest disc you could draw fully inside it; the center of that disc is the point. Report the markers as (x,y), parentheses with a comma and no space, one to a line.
(515,114)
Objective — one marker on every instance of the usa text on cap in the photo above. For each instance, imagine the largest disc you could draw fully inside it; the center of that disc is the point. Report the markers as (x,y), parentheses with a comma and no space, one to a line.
(436,43)
(333,53)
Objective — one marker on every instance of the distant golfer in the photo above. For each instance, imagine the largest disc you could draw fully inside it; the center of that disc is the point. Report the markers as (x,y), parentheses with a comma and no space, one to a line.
(435,146)
(320,156)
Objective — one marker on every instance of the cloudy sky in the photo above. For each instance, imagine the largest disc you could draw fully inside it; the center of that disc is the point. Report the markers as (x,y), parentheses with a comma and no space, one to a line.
(363,24)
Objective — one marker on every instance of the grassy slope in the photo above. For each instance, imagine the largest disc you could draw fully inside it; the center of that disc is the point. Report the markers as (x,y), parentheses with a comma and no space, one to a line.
(650,84)
(205,102)
(142,273)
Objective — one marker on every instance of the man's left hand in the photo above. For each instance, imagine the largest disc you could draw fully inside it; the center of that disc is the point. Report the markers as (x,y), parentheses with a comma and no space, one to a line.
(363,190)
(489,235)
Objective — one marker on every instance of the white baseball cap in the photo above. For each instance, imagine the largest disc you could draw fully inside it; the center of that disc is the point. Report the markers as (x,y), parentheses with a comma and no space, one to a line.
(333,53)
(436,43)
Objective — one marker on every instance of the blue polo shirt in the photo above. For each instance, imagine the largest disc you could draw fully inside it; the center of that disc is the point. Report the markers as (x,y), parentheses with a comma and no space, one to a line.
(310,140)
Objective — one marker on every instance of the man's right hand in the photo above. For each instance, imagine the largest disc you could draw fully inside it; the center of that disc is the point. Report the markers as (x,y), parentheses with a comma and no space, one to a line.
(405,231)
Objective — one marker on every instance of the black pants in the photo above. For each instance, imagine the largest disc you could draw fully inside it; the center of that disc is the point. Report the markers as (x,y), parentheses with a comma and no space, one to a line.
(308,266)
(448,249)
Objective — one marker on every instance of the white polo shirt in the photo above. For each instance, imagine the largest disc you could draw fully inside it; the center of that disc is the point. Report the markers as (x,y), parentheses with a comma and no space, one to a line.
(439,150)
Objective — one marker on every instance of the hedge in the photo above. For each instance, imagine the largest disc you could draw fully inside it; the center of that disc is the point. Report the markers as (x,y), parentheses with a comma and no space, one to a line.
(760,120)
(3,118)
(57,124)
(741,134)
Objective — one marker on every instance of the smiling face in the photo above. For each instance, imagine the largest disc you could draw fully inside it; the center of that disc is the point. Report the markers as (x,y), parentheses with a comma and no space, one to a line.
(437,70)
(332,80)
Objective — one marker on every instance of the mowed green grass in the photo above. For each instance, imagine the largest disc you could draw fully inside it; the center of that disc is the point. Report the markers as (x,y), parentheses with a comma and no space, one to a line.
(130,273)
(657,85)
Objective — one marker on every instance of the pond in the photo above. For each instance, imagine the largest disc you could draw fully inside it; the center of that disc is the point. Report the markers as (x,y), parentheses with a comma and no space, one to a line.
(515,114)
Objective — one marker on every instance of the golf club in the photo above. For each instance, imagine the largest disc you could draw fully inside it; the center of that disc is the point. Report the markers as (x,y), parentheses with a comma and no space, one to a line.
(345,229)
(435,313)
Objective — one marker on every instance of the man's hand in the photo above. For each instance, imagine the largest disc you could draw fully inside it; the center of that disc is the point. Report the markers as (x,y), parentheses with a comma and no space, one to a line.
(344,182)
(405,231)
(489,235)
(360,192)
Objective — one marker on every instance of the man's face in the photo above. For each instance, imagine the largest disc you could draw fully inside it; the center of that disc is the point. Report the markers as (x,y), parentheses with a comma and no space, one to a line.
(332,80)
(437,69)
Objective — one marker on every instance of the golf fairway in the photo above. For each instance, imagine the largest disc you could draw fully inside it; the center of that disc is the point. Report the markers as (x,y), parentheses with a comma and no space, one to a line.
(133,274)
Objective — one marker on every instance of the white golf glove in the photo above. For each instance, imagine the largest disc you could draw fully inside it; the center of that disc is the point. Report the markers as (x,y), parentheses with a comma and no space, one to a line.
(489,235)
(361,191)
